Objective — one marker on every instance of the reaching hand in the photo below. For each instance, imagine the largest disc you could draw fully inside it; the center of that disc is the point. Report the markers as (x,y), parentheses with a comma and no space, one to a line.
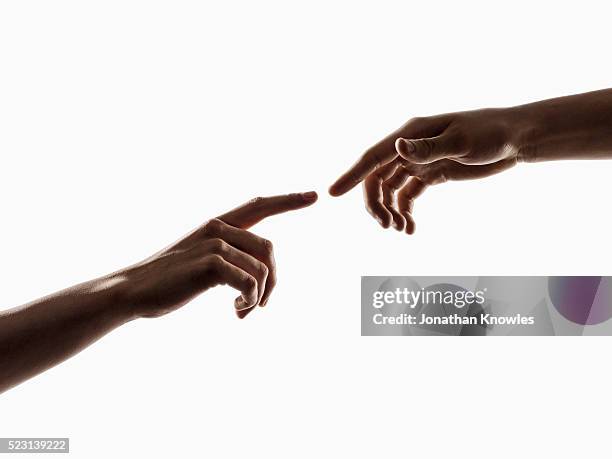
(42,333)
(219,252)
(428,151)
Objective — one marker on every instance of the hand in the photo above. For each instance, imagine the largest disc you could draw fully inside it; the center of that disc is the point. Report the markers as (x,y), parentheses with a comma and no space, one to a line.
(44,332)
(428,151)
(219,252)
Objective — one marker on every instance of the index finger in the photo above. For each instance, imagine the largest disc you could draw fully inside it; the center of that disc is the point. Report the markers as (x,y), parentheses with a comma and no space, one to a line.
(384,151)
(257,209)
(380,154)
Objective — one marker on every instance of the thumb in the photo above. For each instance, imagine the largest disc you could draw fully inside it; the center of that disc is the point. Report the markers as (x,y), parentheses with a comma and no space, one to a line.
(425,151)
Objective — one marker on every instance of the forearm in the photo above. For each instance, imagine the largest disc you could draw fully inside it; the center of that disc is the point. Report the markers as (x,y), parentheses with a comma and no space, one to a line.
(43,333)
(572,127)
(47,331)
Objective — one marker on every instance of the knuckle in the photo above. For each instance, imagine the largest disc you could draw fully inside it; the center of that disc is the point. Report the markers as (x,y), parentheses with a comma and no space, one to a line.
(256,201)
(263,270)
(376,159)
(250,282)
(376,177)
(218,245)
(409,167)
(436,176)
(268,246)
(215,262)
(218,224)
(213,226)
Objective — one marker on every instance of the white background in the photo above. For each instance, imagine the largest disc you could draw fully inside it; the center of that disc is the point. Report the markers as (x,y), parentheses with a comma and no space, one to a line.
(124,124)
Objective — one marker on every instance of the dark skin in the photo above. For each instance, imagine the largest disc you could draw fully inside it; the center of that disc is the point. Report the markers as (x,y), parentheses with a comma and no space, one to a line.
(45,332)
(395,171)
(475,144)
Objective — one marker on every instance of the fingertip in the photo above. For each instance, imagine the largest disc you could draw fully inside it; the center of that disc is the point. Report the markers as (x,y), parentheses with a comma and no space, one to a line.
(385,221)
(241,304)
(344,184)
(410,225)
(335,190)
(414,151)
(397,219)
(405,148)
(310,197)
(380,214)
(399,225)
(242,313)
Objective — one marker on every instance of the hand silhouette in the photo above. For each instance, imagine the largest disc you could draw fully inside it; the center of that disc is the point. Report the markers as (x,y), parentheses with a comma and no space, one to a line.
(475,144)
(221,251)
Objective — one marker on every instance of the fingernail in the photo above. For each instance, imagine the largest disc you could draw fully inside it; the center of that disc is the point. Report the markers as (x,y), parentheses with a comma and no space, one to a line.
(264,302)
(309,196)
(240,304)
(405,146)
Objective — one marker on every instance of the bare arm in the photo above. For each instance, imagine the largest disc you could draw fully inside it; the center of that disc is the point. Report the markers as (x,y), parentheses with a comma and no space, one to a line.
(573,127)
(43,333)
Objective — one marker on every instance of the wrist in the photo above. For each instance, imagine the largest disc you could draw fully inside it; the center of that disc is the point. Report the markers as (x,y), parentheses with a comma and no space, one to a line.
(528,131)
(114,291)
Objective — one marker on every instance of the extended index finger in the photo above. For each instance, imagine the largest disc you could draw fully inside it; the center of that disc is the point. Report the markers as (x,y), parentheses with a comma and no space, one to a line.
(257,209)
(380,154)
(384,151)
